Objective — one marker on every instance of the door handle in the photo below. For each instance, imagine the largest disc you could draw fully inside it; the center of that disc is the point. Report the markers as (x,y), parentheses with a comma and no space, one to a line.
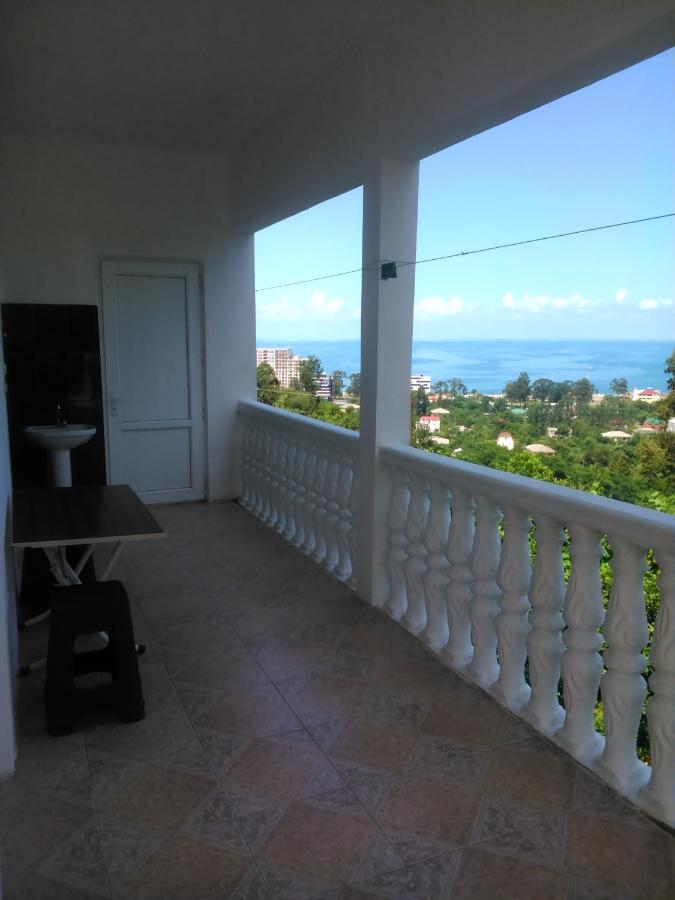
(115,404)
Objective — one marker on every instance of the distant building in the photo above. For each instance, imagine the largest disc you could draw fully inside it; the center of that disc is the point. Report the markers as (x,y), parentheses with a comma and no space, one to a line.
(541,449)
(670,427)
(286,366)
(431,423)
(505,439)
(597,399)
(324,389)
(440,440)
(646,395)
(420,381)
(615,436)
(439,411)
(552,431)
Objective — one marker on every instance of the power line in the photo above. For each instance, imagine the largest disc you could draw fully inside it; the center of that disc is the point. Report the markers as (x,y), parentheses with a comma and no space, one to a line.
(419,262)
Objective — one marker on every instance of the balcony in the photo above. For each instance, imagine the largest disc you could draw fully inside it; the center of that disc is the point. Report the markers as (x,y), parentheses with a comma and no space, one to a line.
(302,744)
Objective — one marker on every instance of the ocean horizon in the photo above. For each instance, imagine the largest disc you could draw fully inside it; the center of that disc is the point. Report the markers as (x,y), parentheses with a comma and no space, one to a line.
(486,365)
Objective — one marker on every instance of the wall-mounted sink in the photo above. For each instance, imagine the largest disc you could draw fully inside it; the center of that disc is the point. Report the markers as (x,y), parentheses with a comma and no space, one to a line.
(59,440)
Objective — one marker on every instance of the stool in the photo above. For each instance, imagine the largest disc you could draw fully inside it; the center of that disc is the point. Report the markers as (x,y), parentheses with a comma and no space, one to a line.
(83,609)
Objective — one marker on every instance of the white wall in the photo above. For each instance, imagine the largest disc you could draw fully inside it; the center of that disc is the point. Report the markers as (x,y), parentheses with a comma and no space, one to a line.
(66,205)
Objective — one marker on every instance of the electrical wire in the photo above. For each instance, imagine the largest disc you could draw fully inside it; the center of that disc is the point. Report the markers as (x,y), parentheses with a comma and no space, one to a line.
(419,262)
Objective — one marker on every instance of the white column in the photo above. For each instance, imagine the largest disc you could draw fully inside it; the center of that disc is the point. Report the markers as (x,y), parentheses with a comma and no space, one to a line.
(389,233)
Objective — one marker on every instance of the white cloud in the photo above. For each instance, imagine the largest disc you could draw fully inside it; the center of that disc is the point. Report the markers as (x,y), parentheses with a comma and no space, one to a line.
(621,295)
(654,304)
(536,303)
(317,306)
(437,307)
(281,310)
(320,307)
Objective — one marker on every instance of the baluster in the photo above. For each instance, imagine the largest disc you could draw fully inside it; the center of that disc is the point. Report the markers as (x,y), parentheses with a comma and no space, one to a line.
(397,543)
(343,568)
(260,436)
(459,650)
(583,614)
(265,473)
(309,498)
(245,461)
(284,509)
(332,512)
(513,577)
(318,553)
(294,528)
(544,642)
(623,686)
(435,635)
(273,477)
(658,796)
(415,566)
(484,668)
(353,528)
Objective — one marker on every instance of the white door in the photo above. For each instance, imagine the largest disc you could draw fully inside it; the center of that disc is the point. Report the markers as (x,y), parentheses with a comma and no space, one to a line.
(153,365)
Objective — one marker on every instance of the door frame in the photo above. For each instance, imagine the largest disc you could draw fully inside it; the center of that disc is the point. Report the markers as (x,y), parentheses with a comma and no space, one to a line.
(110,266)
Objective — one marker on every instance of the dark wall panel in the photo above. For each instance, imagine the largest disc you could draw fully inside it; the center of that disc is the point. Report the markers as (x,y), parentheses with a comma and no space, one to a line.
(53,356)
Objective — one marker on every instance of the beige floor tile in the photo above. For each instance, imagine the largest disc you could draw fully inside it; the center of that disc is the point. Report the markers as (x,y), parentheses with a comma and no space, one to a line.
(183,868)
(158,798)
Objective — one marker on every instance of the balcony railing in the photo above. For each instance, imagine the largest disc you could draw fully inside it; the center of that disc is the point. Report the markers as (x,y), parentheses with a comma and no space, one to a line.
(299,477)
(472,561)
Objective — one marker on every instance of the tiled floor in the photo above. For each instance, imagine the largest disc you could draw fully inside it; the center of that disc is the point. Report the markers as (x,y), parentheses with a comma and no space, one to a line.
(297,745)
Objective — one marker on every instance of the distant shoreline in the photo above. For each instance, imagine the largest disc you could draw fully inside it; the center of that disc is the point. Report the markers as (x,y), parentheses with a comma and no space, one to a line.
(488,364)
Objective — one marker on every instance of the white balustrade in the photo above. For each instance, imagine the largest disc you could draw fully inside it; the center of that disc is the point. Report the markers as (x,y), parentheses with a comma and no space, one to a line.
(298,476)
(484,668)
(456,551)
(514,629)
(459,649)
(658,796)
(397,542)
(436,632)
(415,565)
(623,686)
(544,642)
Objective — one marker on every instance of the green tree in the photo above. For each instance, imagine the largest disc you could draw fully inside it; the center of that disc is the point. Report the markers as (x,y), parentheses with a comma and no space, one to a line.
(355,384)
(670,371)
(308,373)
(456,387)
(338,378)
(619,386)
(519,390)
(583,391)
(543,389)
(420,402)
(267,384)
(441,387)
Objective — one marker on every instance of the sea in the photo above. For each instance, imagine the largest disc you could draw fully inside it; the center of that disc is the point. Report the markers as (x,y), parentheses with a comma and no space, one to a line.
(487,365)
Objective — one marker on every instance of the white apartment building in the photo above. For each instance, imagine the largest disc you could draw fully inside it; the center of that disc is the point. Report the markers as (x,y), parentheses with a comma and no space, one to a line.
(420,381)
(286,366)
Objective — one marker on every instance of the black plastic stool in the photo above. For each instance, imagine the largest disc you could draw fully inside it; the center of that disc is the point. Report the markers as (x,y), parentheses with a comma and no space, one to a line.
(83,609)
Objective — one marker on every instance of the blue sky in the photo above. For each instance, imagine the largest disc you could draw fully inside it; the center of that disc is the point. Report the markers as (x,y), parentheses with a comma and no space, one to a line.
(603,154)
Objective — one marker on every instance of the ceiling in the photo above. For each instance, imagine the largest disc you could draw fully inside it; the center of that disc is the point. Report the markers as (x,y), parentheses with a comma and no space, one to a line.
(186,74)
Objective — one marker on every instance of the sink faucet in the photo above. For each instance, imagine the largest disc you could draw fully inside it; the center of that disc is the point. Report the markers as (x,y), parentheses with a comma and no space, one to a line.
(61,423)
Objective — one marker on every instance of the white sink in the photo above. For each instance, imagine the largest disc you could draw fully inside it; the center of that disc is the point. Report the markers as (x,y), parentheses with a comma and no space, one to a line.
(59,437)
(59,440)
